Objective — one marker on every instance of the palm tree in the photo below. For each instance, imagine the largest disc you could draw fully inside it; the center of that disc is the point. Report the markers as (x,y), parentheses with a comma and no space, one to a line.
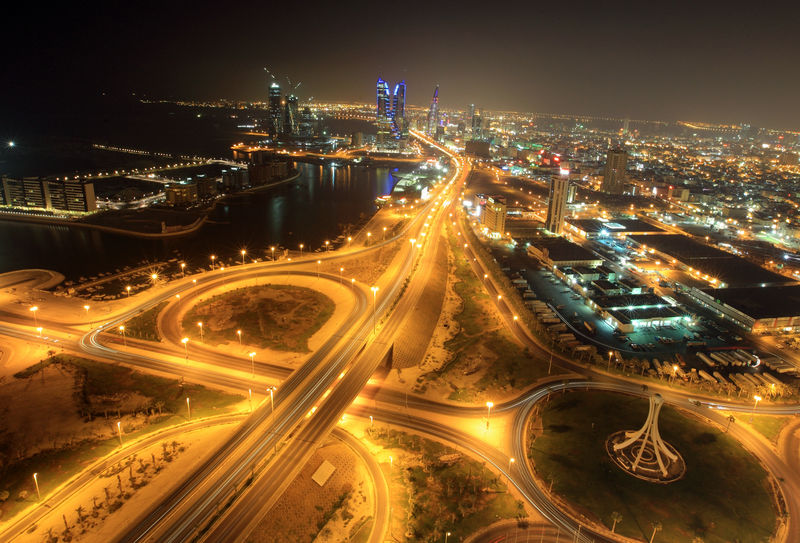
(657,527)
(615,518)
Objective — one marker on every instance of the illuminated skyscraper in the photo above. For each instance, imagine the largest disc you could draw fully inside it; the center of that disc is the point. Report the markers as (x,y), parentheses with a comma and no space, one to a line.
(614,176)
(399,128)
(433,114)
(275,110)
(290,115)
(383,117)
(557,201)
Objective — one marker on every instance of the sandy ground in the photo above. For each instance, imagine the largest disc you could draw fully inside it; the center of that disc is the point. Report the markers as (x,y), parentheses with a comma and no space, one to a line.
(101,526)
(48,416)
(299,513)
(340,294)
(438,355)
(17,354)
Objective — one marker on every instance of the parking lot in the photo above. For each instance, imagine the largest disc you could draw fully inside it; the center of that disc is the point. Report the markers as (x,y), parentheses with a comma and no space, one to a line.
(663,341)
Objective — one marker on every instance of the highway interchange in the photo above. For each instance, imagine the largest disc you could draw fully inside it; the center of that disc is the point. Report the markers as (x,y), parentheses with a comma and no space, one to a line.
(233,490)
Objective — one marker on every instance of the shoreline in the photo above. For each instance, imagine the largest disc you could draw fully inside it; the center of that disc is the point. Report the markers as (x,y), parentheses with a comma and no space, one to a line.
(174,232)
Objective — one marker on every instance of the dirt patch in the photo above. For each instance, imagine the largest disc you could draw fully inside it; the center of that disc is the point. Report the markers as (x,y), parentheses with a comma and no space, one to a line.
(334,512)
(279,317)
(364,269)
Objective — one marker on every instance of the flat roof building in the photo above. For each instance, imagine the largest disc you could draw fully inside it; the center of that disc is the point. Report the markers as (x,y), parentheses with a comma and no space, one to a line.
(560,252)
(618,228)
(756,309)
(718,268)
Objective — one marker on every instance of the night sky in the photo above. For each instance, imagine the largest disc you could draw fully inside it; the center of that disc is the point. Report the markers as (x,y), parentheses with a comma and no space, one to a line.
(646,60)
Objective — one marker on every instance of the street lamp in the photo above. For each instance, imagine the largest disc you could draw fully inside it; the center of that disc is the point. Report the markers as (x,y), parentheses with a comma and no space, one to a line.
(183,270)
(124,340)
(86,307)
(446,535)
(36,482)
(253,363)
(374,294)
(119,432)
(239,333)
(510,461)
(213,258)
(489,406)
(369,235)
(243,252)
(384,233)
(349,239)
(154,277)
(608,367)
(200,324)
(318,263)
(39,329)
(34,309)
(272,248)
(757,399)
(185,341)
(301,250)
(128,289)
(340,275)
(188,407)
(327,245)
(516,318)
(674,371)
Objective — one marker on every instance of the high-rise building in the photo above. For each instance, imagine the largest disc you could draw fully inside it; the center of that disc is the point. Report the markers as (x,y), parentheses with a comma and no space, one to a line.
(307,126)
(399,128)
(470,113)
(557,201)
(494,214)
(433,114)
(275,110)
(614,176)
(383,113)
(477,126)
(290,115)
(67,195)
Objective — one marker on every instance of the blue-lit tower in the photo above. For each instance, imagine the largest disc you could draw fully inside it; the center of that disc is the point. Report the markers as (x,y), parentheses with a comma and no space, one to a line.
(399,128)
(383,117)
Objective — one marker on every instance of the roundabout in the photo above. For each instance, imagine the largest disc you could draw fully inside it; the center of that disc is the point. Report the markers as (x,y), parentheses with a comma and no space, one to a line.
(717,490)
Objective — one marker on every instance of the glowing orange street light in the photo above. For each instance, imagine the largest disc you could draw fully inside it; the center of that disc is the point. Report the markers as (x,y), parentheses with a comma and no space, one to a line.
(243,252)
(489,406)
(253,363)
(124,340)
(185,341)
(200,324)
(239,333)
(33,310)
(301,250)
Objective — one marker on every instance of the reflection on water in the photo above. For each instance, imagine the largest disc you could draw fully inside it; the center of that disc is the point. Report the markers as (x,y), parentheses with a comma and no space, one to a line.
(315,207)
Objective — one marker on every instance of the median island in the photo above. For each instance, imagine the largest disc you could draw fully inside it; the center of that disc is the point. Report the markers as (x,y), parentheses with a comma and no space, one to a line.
(279,317)
(724,494)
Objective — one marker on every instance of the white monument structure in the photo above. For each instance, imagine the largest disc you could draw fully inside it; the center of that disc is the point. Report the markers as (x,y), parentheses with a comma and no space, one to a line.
(643,453)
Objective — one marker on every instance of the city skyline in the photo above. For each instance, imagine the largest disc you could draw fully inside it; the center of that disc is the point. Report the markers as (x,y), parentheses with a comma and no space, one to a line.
(684,64)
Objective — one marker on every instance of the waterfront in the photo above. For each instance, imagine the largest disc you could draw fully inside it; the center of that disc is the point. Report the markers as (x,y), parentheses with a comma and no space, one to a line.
(314,208)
